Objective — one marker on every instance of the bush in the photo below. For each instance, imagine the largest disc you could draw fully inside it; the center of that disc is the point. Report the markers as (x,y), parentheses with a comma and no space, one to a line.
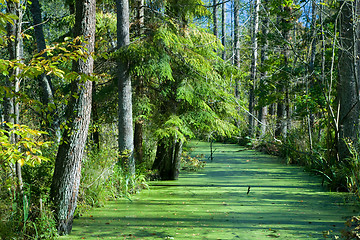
(191,164)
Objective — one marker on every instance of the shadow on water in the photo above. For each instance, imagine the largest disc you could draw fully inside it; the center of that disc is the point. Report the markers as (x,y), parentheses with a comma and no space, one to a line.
(283,202)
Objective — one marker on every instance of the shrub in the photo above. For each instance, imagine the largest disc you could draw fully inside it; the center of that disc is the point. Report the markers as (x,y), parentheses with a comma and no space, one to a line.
(192,164)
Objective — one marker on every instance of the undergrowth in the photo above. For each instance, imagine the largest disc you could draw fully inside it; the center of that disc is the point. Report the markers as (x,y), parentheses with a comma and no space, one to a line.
(103,179)
(191,164)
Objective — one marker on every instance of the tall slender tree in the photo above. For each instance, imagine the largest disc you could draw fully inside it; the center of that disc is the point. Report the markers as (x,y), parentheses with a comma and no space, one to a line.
(215,21)
(139,90)
(263,108)
(283,106)
(237,43)
(253,68)
(11,103)
(223,29)
(348,87)
(67,173)
(47,95)
(125,125)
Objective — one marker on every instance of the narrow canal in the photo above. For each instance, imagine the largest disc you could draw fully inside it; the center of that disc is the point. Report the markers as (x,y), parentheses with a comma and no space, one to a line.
(283,203)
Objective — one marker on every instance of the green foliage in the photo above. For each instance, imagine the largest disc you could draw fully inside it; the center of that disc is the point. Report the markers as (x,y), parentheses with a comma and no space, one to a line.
(103,179)
(180,64)
(5,18)
(191,164)
(25,150)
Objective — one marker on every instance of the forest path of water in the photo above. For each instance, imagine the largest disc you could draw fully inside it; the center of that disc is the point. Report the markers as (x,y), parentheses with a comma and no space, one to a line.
(283,203)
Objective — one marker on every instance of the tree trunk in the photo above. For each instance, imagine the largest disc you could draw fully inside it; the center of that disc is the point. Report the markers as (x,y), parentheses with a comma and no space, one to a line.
(95,119)
(11,104)
(125,125)
(311,82)
(168,158)
(223,29)
(253,70)
(215,21)
(67,173)
(237,44)
(263,111)
(139,91)
(348,87)
(283,105)
(47,96)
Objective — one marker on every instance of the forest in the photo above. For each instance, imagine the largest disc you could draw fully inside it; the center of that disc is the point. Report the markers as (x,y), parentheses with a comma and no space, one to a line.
(100,97)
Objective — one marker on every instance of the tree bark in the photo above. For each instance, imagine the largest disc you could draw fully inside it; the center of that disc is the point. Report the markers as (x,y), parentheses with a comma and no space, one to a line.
(11,104)
(168,158)
(47,95)
(237,44)
(125,125)
(215,21)
(263,111)
(283,105)
(223,29)
(139,91)
(67,173)
(253,69)
(311,116)
(348,86)
(95,119)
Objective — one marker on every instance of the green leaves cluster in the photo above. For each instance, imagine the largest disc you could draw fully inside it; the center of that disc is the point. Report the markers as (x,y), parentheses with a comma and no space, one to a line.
(27,148)
(183,81)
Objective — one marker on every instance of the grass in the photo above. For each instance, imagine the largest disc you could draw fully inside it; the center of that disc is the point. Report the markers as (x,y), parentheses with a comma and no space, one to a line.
(284,202)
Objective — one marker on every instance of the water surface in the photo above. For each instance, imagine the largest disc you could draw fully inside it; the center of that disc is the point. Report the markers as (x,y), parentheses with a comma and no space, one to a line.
(283,203)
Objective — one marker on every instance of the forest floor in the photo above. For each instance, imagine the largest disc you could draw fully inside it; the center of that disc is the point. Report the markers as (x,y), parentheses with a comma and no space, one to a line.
(284,202)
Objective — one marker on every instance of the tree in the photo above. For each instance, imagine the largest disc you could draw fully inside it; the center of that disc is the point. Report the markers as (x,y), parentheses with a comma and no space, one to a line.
(47,94)
(67,173)
(125,125)
(348,86)
(283,88)
(215,21)
(223,29)
(263,109)
(237,43)
(139,93)
(253,69)
(12,83)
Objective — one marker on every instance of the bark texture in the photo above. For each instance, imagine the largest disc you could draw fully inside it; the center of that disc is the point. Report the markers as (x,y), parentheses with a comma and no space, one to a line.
(125,125)
(253,68)
(67,173)
(283,107)
(11,104)
(223,29)
(237,43)
(348,87)
(263,110)
(168,158)
(215,21)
